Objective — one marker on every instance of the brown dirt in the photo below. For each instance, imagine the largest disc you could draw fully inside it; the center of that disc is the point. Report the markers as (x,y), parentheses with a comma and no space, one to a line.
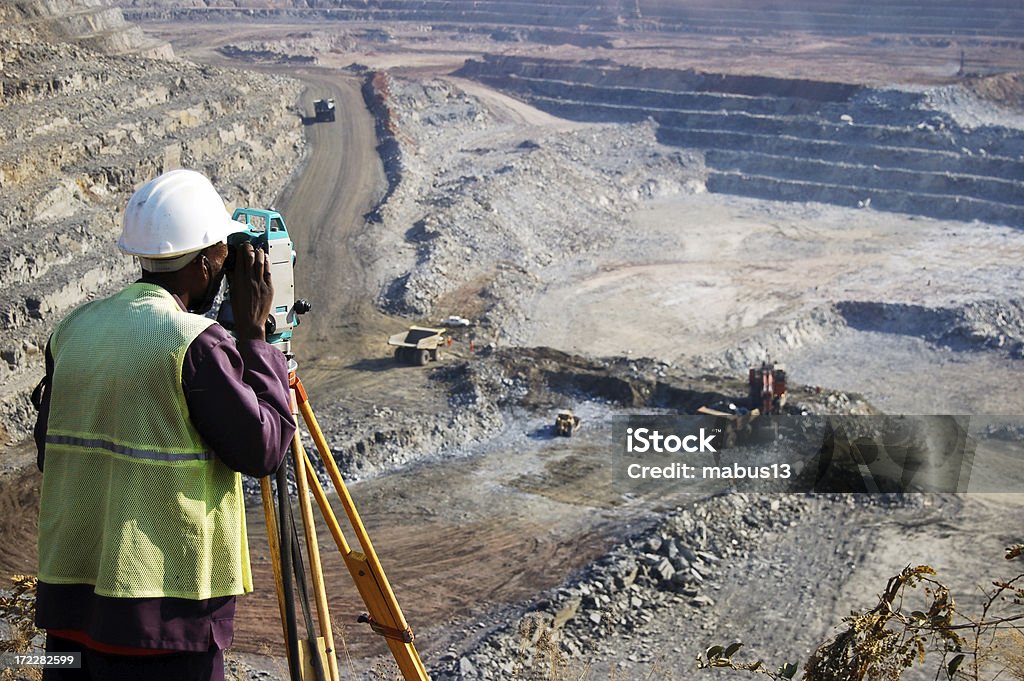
(19,510)
(1006,89)
(476,537)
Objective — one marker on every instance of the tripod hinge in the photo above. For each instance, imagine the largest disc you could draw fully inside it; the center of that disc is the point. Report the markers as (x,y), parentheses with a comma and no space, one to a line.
(403,635)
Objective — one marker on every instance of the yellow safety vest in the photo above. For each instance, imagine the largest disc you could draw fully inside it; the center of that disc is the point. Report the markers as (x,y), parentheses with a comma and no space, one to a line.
(133,501)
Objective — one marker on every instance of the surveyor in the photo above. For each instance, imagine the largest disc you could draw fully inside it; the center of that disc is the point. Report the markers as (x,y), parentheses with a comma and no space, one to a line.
(148,413)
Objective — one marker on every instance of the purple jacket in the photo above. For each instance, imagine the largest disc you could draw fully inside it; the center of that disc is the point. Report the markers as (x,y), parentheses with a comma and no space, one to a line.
(237,396)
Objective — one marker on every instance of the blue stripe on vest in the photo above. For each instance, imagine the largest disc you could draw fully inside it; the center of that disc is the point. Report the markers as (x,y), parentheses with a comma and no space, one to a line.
(126,451)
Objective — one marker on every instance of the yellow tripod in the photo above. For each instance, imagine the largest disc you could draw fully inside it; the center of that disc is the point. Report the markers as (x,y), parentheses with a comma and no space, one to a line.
(307,660)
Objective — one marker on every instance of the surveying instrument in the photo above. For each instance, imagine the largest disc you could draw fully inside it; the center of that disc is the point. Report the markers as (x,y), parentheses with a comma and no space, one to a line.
(312,658)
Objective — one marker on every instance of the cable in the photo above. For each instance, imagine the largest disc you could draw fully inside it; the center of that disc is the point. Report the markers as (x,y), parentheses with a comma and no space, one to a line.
(285,528)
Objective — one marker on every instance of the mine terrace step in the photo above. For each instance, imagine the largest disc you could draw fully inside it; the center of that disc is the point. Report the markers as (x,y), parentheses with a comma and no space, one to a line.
(813,131)
(862,22)
(1005,19)
(886,108)
(929,205)
(854,6)
(887,157)
(873,122)
(496,19)
(91,20)
(658,79)
(913,128)
(709,102)
(996,190)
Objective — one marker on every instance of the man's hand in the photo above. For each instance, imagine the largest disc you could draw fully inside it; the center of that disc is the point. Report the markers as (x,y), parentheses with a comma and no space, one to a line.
(252,293)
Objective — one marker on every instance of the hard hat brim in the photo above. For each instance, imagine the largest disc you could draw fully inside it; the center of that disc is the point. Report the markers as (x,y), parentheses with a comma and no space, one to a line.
(214,235)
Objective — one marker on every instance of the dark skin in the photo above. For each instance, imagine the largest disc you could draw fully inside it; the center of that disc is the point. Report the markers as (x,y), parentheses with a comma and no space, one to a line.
(252,292)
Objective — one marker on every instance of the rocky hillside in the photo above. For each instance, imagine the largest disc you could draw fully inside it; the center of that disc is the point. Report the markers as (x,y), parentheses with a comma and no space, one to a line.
(79,130)
(88,23)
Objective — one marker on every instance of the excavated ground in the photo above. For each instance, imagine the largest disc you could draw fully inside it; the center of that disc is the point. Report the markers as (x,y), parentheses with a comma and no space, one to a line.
(598,237)
(617,222)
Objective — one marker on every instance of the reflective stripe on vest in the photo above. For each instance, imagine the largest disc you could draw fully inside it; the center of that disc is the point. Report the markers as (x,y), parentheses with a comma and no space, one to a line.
(133,501)
(128,451)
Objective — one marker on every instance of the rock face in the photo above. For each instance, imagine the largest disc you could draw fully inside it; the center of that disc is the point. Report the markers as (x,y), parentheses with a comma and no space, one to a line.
(794,140)
(89,23)
(79,130)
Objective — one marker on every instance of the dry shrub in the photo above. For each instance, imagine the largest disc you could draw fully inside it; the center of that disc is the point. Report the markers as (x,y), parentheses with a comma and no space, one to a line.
(17,611)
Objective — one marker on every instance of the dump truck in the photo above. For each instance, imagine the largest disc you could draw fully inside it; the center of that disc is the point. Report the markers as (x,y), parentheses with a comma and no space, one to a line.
(418,345)
(324,110)
(566,423)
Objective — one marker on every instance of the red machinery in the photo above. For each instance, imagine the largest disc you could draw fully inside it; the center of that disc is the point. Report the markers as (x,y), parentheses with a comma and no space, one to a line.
(768,388)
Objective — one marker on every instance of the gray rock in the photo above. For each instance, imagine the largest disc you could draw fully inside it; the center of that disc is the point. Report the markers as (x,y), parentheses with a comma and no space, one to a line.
(566,613)
(663,570)
(467,670)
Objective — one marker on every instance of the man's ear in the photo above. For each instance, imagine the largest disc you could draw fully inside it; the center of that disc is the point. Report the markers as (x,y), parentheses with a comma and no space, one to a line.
(202,264)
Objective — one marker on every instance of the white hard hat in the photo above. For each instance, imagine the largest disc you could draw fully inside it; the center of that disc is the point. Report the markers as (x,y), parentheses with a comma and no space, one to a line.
(173,216)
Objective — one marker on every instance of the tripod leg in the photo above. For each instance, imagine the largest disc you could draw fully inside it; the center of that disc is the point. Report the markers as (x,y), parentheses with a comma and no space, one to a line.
(369,588)
(275,552)
(385,615)
(285,544)
(319,590)
(311,657)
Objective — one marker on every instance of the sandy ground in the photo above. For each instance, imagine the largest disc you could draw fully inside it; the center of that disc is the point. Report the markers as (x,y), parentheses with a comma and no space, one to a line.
(699,275)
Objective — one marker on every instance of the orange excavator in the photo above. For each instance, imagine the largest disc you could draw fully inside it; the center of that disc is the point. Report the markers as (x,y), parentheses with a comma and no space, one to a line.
(768,388)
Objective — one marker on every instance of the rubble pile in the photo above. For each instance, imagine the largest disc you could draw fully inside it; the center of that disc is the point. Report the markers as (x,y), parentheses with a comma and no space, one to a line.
(673,565)
(301,47)
(505,205)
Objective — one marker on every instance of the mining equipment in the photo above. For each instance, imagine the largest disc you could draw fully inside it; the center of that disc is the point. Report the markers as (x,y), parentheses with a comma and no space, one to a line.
(418,345)
(729,427)
(768,388)
(324,110)
(566,423)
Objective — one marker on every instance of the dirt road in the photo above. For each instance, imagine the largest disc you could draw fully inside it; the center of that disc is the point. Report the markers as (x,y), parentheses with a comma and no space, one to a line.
(340,181)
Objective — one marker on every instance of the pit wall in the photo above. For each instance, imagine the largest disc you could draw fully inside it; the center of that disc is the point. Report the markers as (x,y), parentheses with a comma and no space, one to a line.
(93,24)
(79,131)
(792,140)
(935,19)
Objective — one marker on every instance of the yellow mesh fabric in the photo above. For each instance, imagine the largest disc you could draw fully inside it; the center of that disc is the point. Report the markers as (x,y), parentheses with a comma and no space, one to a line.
(132,501)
